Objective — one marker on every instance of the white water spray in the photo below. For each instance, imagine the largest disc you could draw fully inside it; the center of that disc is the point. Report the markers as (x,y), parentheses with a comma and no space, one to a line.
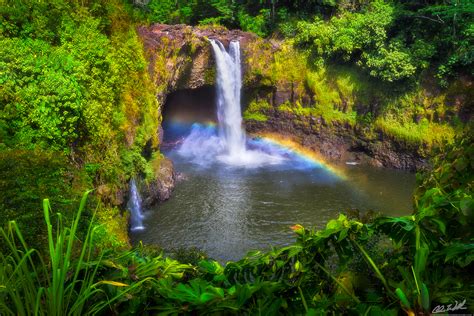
(134,205)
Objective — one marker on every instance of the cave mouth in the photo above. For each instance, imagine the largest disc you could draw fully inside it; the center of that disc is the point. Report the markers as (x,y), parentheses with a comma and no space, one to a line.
(183,108)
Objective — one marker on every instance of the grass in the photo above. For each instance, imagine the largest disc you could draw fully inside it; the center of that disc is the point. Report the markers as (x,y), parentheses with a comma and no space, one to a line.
(328,113)
(259,117)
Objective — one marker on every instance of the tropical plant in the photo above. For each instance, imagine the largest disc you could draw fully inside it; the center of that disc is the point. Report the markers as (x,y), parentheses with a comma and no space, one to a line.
(55,285)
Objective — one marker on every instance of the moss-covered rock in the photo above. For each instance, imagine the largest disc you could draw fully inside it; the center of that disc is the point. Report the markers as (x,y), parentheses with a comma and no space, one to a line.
(160,186)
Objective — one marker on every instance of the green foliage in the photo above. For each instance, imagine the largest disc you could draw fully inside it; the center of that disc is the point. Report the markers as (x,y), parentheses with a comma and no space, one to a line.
(53,285)
(188,255)
(255,111)
(74,79)
(191,12)
(362,37)
(452,22)
(28,176)
(372,38)
(43,101)
(447,190)
(255,24)
(396,62)
(425,132)
(161,11)
(385,266)
(390,64)
(349,33)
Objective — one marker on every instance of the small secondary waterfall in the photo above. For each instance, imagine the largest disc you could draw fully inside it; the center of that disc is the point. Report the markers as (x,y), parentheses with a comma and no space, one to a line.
(229,83)
(134,205)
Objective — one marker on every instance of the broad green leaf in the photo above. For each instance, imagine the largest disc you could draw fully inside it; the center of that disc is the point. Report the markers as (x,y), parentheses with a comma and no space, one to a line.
(403,299)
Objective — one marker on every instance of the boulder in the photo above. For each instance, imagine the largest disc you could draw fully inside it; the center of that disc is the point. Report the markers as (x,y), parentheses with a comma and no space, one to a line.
(160,188)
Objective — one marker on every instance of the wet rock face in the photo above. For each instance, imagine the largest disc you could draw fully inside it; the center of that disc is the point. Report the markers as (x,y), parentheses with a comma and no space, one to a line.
(340,142)
(160,189)
(180,55)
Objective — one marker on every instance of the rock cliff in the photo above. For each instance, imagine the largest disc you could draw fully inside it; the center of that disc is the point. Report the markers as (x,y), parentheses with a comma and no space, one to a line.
(180,57)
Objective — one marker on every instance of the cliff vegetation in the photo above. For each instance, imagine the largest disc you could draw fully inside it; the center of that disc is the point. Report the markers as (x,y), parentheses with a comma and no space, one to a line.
(82,85)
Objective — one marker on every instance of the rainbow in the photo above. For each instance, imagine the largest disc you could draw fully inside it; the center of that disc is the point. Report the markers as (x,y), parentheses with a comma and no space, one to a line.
(186,123)
(285,143)
(301,151)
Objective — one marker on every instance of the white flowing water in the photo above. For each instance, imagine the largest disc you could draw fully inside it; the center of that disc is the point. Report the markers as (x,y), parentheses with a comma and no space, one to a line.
(229,83)
(229,145)
(134,205)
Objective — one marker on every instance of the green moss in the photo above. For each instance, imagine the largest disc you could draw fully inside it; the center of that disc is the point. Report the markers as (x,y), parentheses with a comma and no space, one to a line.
(324,94)
(255,111)
(255,117)
(111,231)
(258,106)
(258,57)
(428,133)
(210,76)
(289,68)
(29,176)
(328,113)
(154,166)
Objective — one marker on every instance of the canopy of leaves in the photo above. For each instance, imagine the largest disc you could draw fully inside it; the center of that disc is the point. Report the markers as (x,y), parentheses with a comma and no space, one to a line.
(392,40)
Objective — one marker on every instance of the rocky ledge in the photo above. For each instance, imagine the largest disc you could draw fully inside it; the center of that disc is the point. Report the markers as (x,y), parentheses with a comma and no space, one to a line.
(180,56)
(340,141)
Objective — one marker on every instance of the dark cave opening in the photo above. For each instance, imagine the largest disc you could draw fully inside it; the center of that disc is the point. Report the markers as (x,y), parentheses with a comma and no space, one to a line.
(191,106)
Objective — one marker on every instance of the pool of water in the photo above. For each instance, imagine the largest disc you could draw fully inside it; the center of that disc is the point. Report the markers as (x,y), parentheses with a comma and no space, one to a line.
(229,210)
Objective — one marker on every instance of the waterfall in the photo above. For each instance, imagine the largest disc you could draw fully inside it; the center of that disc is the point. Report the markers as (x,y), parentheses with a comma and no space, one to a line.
(229,83)
(228,145)
(134,205)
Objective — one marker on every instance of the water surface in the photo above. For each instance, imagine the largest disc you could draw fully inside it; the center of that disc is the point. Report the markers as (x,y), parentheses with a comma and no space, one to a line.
(228,210)
(241,194)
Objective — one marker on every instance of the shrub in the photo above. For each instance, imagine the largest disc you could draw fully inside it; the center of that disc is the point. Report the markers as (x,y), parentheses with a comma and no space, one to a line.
(256,24)
(27,177)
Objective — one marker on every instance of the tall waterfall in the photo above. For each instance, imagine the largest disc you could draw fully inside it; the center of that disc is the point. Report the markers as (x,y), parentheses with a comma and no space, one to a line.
(229,83)
(229,145)
(134,205)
